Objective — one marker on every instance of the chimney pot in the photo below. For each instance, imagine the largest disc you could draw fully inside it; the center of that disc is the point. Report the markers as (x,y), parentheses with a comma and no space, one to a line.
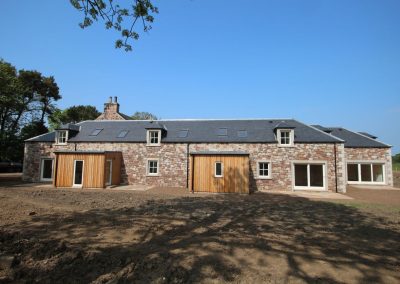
(110,100)
(115,99)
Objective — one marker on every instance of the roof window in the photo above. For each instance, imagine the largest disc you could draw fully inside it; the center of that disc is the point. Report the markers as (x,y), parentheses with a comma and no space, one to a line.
(122,134)
(222,132)
(96,132)
(183,133)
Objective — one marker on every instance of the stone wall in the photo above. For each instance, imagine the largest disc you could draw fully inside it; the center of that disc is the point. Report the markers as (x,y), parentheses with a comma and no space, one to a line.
(173,161)
(281,159)
(374,155)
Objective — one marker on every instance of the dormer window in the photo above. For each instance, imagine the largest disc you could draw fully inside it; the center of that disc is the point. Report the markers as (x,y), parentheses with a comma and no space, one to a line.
(61,137)
(285,137)
(153,137)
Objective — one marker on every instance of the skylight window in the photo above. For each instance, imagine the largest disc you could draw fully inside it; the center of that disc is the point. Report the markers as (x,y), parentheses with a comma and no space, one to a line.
(242,133)
(183,133)
(96,132)
(122,134)
(223,132)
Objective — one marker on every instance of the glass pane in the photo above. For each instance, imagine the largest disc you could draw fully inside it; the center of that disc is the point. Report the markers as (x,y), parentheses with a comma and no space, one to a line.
(366,172)
(47,169)
(316,175)
(153,169)
(218,169)
(378,173)
(300,175)
(78,172)
(108,172)
(263,169)
(352,172)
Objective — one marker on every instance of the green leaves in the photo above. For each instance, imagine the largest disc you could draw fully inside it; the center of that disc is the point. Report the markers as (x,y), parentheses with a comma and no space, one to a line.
(26,98)
(120,19)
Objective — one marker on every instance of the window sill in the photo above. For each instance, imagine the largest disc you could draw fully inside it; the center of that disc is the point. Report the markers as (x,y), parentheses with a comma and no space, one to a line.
(153,145)
(153,175)
(366,183)
(286,146)
(267,178)
(305,188)
(60,144)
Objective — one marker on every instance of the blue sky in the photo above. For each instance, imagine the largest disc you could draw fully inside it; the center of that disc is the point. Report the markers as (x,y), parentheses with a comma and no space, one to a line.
(335,63)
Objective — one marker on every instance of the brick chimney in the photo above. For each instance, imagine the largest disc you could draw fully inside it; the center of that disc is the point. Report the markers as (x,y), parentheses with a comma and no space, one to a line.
(111,110)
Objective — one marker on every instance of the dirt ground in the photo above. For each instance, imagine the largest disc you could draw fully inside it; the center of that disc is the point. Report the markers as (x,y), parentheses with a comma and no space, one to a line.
(396,179)
(171,236)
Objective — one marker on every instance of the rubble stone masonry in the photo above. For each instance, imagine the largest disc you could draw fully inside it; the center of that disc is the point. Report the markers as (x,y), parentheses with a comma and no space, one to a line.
(173,161)
(383,155)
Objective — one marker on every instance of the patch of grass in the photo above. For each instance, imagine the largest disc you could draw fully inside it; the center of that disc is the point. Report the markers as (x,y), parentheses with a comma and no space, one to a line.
(396,167)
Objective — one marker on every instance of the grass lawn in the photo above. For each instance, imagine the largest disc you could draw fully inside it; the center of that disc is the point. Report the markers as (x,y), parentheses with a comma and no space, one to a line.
(170,236)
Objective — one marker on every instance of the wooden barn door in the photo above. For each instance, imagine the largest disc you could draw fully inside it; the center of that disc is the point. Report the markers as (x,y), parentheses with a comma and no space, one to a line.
(221,173)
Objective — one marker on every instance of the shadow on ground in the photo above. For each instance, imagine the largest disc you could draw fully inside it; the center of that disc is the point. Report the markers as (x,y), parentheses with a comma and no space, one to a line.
(222,238)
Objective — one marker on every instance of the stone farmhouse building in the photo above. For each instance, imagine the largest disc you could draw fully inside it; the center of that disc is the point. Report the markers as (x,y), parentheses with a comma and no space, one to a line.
(206,155)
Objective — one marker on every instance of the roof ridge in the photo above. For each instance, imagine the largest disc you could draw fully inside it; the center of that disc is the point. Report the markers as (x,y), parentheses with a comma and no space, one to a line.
(330,135)
(192,119)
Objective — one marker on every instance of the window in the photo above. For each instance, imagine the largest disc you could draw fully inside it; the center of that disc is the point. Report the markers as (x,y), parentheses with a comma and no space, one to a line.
(285,137)
(61,137)
(78,173)
(153,137)
(263,169)
(242,133)
(309,176)
(365,172)
(96,132)
(122,134)
(219,169)
(152,167)
(46,169)
(222,132)
(183,133)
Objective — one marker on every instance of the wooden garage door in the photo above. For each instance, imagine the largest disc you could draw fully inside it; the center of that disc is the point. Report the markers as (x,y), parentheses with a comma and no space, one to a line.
(235,173)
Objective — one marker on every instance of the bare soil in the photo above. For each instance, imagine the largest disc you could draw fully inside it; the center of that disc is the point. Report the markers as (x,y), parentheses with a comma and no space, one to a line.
(396,179)
(171,236)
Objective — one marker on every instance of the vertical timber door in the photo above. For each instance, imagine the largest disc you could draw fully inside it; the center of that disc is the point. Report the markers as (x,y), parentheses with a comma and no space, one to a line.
(78,173)
(221,173)
(108,172)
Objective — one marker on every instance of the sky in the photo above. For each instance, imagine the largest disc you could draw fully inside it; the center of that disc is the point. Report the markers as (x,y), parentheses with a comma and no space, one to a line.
(334,63)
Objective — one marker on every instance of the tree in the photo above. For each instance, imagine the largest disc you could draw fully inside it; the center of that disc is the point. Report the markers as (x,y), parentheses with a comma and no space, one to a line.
(114,16)
(26,97)
(143,115)
(73,114)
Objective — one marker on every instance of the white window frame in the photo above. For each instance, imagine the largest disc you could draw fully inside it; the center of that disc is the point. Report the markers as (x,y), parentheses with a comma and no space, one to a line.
(41,169)
(269,176)
(366,162)
(109,178)
(148,167)
(312,188)
(149,137)
(291,137)
(215,169)
(83,173)
(58,137)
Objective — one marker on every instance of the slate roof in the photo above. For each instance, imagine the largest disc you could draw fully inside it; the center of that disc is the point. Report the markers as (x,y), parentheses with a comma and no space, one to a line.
(198,131)
(368,135)
(69,126)
(354,139)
